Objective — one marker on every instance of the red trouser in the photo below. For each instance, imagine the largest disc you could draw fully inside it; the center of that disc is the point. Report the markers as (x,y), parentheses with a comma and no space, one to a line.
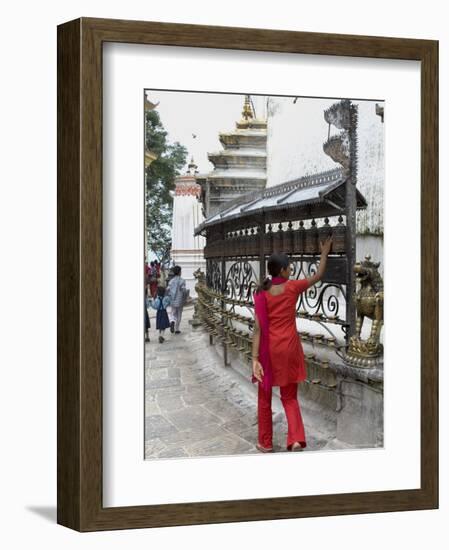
(289,398)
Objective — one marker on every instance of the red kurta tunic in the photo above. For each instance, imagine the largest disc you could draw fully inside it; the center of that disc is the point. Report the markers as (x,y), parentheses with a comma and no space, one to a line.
(286,353)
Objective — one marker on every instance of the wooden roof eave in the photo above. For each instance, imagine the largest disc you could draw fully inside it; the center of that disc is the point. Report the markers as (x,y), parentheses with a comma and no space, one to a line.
(324,205)
(273,214)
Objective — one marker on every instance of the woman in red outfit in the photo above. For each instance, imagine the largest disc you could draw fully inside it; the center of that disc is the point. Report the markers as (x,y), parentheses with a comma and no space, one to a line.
(278,357)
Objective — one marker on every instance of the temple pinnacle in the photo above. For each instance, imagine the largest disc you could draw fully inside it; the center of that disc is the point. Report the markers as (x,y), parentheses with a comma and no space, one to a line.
(247,112)
(192,167)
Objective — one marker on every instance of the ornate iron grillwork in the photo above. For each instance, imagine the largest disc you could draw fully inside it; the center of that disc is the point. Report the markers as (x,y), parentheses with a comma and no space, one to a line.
(241,281)
(321,301)
(213,275)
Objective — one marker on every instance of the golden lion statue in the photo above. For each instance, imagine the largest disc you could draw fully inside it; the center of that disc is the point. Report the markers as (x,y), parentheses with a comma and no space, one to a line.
(369,301)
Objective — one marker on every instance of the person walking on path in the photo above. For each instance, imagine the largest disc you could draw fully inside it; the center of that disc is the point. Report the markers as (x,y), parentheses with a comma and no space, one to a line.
(160,304)
(277,354)
(147,321)
(162,276)
(146,303)
(153,280)
(177,292)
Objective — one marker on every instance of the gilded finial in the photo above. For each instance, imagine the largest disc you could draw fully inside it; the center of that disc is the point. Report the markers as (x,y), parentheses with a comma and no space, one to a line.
(192,167)
(247,112)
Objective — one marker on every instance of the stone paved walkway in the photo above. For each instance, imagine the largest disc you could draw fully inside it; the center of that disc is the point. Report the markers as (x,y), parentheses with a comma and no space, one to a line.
(195,406)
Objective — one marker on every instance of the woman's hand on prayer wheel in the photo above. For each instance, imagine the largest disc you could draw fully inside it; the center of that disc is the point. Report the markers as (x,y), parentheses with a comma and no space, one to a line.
(326,245)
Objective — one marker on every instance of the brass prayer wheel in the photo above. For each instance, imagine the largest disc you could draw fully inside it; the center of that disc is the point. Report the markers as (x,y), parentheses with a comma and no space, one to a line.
(256,242)
(230,247)
(325,231)
(227,245)
(312,239)
(339,237)
(268,240)
(235,245)
(299,239)
(252,243)
(278,240)
(243,241)
(287,240)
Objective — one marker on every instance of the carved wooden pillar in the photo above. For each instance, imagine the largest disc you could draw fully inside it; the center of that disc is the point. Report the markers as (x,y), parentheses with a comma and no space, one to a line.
(350,255)
(262,233)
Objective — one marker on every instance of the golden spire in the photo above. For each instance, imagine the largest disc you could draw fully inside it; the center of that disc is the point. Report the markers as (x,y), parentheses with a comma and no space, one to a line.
(247,112)
(192,167)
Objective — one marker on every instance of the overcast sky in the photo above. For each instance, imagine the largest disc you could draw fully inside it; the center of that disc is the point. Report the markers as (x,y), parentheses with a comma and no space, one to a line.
(299,123)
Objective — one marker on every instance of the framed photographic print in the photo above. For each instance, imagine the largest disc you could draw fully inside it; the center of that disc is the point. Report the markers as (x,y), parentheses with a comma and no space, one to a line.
(247,274)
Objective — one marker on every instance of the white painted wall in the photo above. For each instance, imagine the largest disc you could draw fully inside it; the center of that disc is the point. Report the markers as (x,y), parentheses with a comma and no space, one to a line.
(371,167)
(188,215)
(296,133)
(187,250)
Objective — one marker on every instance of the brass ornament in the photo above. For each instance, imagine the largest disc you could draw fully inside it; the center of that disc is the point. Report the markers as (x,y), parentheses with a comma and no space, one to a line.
(369,301)
(247,112)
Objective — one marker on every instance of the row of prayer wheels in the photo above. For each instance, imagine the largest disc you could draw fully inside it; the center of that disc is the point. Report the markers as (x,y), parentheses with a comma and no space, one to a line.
(218,322)
(213,294)
(210,311)
(320,317)
(209,295)
(318,339)
(285,239)
(319,372)
(218,327)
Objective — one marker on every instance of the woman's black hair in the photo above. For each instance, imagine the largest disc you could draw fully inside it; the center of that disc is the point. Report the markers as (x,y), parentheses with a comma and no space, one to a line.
(161,291)
(177,270)
(275,263)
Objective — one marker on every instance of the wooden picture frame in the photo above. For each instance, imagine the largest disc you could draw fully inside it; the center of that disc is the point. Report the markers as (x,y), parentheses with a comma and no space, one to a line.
(80,351)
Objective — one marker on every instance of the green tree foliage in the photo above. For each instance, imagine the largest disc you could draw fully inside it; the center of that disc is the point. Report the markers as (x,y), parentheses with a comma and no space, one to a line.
(159,181)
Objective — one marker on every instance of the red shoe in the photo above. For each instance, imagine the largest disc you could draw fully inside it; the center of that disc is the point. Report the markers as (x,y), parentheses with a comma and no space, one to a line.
(295,447)
(262,449)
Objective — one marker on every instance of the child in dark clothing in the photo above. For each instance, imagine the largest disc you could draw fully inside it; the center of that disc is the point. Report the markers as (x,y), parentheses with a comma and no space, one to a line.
(160,304)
